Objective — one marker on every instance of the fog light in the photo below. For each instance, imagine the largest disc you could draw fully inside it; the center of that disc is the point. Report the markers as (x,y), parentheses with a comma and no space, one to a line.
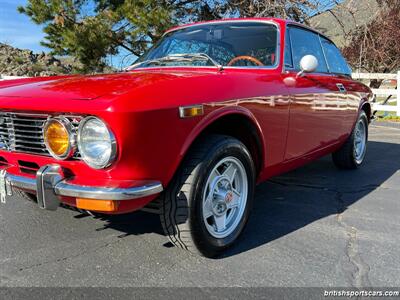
(59,138)
(97,205)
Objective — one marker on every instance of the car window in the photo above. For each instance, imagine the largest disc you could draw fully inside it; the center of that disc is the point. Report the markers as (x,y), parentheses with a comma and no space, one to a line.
(336,62)
(288,51)
(219,53)
(305,42)
(220,41)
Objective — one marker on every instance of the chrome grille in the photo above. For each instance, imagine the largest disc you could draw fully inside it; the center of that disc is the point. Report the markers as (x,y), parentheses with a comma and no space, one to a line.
(23,132)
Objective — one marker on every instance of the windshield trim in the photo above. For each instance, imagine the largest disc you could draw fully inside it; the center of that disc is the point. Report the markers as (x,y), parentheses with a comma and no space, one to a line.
(271,22)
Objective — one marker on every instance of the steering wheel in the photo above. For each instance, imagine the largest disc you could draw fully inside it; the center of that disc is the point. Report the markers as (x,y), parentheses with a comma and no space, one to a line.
(245,57)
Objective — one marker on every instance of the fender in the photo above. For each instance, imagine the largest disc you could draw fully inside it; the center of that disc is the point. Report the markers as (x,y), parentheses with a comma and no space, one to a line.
(365,102)
(214,116)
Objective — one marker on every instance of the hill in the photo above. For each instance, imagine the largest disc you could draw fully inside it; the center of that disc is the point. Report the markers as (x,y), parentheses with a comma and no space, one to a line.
(22,62)
(343,18)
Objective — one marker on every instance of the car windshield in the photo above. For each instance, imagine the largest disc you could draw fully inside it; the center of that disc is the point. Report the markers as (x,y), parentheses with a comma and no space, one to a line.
(236,44)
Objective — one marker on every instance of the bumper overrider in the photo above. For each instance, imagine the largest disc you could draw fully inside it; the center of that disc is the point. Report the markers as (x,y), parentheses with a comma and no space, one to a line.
(50,184)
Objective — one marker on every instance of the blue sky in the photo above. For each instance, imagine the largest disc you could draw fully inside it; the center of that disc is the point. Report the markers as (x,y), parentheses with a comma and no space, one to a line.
(17,29)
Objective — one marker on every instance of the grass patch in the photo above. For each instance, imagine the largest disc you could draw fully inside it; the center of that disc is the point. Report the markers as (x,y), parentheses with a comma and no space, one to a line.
(390,117)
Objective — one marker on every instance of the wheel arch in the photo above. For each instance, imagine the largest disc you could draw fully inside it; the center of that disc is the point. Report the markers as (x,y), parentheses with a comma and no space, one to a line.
(366,107)
(243,121)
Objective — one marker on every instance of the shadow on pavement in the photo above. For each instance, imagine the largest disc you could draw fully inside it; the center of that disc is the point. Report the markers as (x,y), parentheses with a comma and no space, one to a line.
(289,202)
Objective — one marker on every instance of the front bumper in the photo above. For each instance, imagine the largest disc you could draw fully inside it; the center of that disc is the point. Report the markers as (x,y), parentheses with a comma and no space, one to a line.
(50,184)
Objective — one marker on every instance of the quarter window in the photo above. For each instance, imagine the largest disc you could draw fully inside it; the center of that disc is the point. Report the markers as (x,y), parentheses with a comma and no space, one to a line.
(336,62)
(288,51)
(305,42)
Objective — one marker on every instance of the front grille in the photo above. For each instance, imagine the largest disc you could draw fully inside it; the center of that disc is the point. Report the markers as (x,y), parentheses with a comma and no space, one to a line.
(23,132)
(3,162)
(28,167)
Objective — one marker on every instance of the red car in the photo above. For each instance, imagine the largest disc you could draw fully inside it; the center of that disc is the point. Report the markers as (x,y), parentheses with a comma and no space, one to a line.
(210,111)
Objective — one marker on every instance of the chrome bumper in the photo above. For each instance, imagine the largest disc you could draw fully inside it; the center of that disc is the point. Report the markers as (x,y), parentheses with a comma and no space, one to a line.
(49,184)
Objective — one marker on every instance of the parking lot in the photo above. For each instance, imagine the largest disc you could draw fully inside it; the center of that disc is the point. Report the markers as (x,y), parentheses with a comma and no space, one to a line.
(316,226)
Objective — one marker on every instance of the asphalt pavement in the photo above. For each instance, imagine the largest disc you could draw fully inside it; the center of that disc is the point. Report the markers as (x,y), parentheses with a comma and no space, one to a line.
(314,227)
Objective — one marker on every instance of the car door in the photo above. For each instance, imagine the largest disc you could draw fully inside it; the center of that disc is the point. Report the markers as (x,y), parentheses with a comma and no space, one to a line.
(338,67)
(316,103)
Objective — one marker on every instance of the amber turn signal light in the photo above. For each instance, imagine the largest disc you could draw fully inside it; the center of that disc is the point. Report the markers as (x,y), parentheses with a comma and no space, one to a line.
(97,205)
(191,111)
(57,138)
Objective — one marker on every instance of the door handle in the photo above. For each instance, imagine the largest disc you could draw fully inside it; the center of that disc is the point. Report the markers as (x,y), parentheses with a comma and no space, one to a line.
(341,87)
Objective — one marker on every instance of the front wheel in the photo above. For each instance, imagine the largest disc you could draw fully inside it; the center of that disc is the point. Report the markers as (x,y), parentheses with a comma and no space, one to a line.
(207,204)
(351,154)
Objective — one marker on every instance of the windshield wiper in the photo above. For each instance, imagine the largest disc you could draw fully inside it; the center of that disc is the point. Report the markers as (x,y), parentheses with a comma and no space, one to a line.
(176,57)
(203,56)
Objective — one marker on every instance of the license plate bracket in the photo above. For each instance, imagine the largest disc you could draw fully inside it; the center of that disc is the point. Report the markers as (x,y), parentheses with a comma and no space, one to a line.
(3,187)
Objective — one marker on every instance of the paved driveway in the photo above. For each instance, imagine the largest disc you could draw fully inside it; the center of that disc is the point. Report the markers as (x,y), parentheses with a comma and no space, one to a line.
(316,226)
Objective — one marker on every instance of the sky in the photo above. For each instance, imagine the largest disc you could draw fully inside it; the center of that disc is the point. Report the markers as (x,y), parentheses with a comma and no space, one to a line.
(17,29)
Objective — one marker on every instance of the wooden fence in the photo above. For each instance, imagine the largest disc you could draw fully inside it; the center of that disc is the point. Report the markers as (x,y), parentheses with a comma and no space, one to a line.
(394,93)
(5,77)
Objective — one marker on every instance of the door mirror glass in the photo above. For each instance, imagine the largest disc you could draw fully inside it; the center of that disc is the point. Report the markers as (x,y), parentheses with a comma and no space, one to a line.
(308,63)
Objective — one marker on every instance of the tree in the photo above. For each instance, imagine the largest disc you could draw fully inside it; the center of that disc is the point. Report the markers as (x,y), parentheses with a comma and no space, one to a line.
(91,30)
(375,48)
(295,10)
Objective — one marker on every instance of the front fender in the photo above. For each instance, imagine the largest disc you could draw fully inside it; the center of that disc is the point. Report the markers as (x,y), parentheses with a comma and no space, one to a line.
(214,116)
(208,120)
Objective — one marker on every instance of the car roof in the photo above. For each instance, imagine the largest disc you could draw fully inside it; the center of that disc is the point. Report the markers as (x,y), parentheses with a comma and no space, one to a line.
(273,20)
(276,20)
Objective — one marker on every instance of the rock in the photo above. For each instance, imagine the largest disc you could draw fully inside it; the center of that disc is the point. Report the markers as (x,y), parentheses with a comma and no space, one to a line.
(18,62)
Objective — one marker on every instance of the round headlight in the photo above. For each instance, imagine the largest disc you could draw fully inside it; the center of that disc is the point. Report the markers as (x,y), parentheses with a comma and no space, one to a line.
(96,143)
(59,138)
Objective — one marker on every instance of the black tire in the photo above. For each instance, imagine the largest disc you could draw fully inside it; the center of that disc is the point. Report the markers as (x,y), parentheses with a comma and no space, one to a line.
(25,195)
(345,157)
(182,201)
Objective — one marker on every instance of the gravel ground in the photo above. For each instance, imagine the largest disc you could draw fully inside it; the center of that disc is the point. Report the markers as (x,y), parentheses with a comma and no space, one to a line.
(312,227)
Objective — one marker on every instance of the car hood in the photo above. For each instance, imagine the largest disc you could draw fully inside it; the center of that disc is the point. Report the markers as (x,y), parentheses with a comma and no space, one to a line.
(87,87)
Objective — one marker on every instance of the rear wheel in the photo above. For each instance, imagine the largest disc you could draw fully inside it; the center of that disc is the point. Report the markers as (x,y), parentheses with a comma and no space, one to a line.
(207,204)
(351,154)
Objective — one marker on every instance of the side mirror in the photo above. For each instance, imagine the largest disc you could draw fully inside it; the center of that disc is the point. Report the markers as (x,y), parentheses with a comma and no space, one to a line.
(308,64)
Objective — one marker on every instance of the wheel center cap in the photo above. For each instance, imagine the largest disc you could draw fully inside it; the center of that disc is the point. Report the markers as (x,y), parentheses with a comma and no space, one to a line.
(228,197)
(219,208)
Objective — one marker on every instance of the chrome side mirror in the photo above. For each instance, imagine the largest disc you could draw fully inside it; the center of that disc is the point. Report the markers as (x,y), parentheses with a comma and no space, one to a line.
(308,64)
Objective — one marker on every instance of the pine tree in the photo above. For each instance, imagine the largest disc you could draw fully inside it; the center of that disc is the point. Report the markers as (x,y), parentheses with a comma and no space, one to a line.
(91,30)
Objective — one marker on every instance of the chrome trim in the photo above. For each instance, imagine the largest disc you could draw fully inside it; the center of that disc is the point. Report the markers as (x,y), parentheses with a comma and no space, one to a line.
(21,182)
(64,188)
(28,138)
(341,87)
(114,147)
(15,123)
(104,193)
(294,23)
(71,137)
(47,177)
(324,54)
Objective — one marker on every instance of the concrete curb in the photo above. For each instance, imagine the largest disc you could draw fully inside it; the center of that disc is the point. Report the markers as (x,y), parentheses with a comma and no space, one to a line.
(395,125)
